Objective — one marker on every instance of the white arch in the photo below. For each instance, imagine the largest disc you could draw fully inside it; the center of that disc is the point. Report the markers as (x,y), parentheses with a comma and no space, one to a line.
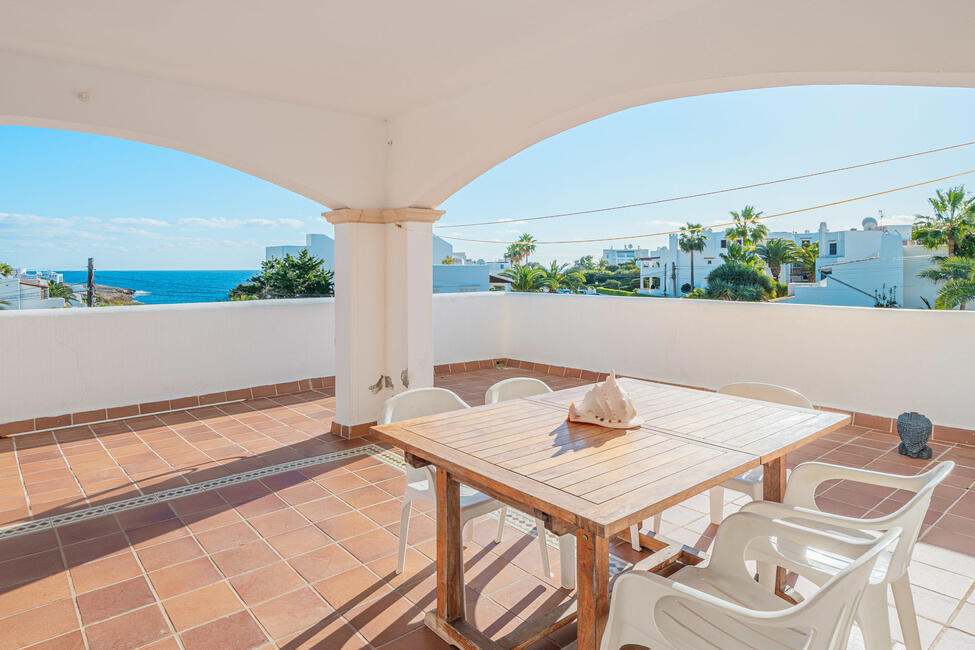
(335,159)
(402,105)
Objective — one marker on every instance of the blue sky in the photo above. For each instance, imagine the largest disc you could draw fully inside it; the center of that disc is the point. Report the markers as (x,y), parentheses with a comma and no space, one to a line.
(67,196)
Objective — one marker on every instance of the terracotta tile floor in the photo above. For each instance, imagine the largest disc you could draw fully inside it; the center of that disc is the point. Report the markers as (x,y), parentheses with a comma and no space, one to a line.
(306,558)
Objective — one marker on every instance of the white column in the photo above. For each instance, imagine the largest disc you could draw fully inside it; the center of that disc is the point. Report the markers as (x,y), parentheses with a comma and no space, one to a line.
(383,309)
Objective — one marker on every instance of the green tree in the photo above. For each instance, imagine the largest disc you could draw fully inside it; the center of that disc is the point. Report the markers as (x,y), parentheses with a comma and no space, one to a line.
(741,255)
(556,277)
(524,277)
(952,224)
(514,253)
(692,238)
(958,275)
(775,253)
(602,264)
(5,269)
(447,260)
(806,257)
(737,281)
(585,263)
(60,290)
(288,277)
(748,231)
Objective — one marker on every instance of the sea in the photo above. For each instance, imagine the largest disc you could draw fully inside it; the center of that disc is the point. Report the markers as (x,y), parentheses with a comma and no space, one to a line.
(167,287)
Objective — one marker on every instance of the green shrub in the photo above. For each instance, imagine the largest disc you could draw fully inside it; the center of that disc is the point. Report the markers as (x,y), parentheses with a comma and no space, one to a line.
(612,284)
(737,281)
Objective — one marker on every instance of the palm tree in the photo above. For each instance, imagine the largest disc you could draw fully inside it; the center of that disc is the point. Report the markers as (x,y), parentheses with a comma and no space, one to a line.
(738,253)
(514,253)
(60,290)
(524,277)
(806,257)
(556,277)
(747,231)
(447,260)
(953,220)
(958,275)
(526,244)
(775,253)
(5,269)
(692,238)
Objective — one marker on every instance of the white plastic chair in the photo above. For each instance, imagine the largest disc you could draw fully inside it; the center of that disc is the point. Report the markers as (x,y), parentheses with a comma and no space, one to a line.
(819,565)
(421,483)
(750,482)
(516,388)
(721,606)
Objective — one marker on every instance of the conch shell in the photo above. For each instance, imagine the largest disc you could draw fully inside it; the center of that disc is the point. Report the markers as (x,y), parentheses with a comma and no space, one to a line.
(608,405)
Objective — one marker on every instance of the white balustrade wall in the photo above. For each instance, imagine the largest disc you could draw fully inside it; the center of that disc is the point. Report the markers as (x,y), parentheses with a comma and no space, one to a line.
(56,361)
(874,361)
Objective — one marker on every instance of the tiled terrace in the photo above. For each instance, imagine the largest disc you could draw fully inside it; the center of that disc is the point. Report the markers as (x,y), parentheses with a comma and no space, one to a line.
(305,557)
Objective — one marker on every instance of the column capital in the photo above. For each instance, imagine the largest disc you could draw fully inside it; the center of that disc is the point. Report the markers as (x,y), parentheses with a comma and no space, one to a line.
(391,215)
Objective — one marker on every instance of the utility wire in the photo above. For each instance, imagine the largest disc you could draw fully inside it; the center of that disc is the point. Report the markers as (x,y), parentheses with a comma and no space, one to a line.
(716,225)
(709,193)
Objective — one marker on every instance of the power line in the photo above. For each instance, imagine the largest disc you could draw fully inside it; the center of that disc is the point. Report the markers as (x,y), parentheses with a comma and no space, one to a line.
(717,225)
(709,193)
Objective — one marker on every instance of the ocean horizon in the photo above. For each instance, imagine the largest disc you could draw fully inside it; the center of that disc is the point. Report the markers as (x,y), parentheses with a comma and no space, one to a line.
(168,287)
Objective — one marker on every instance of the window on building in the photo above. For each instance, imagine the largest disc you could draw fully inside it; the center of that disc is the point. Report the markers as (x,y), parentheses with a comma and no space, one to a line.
(805,243)
(832,248)
(724,243)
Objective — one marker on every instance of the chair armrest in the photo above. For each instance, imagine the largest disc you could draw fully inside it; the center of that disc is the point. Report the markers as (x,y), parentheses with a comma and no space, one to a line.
(799,514)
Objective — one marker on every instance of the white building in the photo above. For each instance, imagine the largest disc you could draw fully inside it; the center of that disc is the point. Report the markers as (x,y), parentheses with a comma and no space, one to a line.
(37,276)
(320,246)
(17,293)
(855,266)
(859,264)
(627,254)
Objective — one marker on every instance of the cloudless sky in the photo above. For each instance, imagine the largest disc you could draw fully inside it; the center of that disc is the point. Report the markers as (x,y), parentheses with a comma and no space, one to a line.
(66,196)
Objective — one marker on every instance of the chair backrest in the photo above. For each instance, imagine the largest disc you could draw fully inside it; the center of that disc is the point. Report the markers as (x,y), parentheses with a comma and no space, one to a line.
(515,388)
(418,402)
(767,393)
(807,477)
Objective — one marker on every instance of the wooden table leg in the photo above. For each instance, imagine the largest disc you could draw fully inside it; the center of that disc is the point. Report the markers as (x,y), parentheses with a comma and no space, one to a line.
(592,588)
(774,490)
(450,552)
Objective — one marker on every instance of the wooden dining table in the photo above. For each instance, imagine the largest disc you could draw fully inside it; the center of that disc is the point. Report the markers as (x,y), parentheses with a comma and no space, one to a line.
(592,482)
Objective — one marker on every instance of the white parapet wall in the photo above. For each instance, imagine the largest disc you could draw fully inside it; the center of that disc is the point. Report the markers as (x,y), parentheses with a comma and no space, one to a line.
(71,360)
(877,361)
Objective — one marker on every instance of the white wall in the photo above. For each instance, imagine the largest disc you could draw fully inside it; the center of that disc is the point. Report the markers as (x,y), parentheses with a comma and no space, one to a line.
(844,357)
(468,326)
(69,360)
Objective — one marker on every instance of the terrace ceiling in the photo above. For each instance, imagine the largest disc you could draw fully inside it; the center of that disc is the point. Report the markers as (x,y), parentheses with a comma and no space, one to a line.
(389,104)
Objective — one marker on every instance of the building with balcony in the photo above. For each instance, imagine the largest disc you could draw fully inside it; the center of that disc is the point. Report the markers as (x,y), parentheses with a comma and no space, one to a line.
(626,255)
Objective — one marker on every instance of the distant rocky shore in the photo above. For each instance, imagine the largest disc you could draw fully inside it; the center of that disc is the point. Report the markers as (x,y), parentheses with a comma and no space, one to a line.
(108,295)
